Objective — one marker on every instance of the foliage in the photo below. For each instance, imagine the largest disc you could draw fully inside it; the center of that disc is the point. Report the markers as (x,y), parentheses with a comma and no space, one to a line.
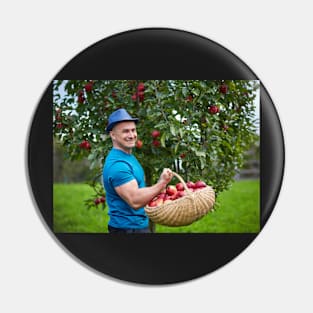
(205,125)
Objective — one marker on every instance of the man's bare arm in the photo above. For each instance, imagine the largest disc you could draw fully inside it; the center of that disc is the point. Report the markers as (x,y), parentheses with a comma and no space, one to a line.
(138,197)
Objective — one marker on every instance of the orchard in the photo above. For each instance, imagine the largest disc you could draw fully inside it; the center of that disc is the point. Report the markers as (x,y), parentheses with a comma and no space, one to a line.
(198,128)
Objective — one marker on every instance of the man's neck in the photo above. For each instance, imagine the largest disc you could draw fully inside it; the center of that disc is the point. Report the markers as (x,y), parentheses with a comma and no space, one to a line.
(127,151)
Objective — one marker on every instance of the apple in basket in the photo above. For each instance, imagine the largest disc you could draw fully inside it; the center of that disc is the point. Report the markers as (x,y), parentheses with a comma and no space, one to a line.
(159,201)
(190,184)
(169,198)
(180,187)
(171,190)
(155,202)
(162,195)
(200,184)
(152,203)
(181,194)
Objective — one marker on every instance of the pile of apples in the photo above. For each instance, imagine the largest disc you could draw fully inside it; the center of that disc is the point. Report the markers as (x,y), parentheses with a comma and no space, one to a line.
(171,192)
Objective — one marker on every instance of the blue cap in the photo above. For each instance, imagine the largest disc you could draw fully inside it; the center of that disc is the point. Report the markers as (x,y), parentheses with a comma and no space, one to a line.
(120,115)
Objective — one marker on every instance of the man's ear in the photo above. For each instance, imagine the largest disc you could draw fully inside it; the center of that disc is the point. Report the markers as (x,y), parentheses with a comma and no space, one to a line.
(112,135)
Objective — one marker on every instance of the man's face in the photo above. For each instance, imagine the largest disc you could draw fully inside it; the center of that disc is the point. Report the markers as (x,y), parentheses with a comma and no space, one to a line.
(124,136)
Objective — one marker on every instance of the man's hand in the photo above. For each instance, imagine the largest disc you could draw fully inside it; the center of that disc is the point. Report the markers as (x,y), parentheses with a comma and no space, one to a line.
(166,176)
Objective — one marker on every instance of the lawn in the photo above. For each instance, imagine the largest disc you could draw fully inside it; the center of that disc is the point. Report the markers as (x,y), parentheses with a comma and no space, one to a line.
(70,214)
(237,211)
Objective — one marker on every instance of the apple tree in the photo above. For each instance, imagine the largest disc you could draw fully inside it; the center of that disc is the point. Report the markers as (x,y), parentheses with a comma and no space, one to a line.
(199,128)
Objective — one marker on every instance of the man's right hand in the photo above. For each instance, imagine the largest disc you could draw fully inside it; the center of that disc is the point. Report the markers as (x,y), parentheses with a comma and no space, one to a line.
(166,176)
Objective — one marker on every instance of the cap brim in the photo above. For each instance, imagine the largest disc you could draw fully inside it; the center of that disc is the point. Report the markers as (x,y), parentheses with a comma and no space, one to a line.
(110,126)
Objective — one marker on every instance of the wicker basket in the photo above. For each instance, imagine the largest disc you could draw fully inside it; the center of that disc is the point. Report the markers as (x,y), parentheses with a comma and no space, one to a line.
(183,211)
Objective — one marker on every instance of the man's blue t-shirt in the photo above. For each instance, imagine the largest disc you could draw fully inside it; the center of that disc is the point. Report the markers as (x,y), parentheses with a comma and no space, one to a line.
(120,168)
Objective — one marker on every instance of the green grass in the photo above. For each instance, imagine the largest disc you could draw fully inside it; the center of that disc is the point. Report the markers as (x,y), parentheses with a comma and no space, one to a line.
(237,211)
(70,214)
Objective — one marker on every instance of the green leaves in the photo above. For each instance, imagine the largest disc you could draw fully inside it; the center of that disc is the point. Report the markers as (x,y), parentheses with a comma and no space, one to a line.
(193,141)
(200,154)
(173,130)
(163,137)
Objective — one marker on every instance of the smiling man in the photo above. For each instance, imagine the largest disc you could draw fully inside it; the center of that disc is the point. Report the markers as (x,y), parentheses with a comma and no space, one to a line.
(123,178)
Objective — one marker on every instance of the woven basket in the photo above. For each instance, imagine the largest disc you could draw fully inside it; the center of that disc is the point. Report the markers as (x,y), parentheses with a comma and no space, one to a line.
(183,211)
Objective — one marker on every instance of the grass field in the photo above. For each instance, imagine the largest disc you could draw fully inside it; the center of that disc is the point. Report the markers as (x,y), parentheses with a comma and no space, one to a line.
(238,211)
(70,214)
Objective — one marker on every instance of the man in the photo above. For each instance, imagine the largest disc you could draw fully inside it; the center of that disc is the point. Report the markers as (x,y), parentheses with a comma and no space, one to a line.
(123,178)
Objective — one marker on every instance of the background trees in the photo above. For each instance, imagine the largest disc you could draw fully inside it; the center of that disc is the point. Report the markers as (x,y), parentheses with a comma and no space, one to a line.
(199,128)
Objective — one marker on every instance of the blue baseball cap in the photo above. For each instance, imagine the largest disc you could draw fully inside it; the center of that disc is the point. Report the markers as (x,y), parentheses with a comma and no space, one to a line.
(120,115)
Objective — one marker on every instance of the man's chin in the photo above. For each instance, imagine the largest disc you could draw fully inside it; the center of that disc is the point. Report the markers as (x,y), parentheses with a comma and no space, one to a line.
(131,145)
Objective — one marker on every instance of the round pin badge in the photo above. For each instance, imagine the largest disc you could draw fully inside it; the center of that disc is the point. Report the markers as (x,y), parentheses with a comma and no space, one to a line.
(155,156)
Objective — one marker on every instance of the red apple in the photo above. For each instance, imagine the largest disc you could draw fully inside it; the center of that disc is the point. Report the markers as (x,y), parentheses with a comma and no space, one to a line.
(171,190)
(199,188)
(139,144)
(81,99)
(156,143)
(180,187)
(102,199)
(134,97)
(97,201)
(141,95)
(155,133)
(152,204)
(190,184)
(213,109)
(172,198)
(161,195)
(181,194)
(200,184)
(88,86)
(141,87)
(223,88)
(166,197)
(159,201)
(85,145)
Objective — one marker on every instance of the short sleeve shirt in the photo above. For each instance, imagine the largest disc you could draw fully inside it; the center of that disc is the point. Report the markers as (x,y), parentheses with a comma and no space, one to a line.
(120,168)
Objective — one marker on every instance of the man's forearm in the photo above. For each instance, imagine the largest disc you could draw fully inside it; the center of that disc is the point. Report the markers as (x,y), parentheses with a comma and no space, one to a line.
(144,195)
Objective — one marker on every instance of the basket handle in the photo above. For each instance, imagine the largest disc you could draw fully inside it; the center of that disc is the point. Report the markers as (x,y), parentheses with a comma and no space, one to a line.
(183,182)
